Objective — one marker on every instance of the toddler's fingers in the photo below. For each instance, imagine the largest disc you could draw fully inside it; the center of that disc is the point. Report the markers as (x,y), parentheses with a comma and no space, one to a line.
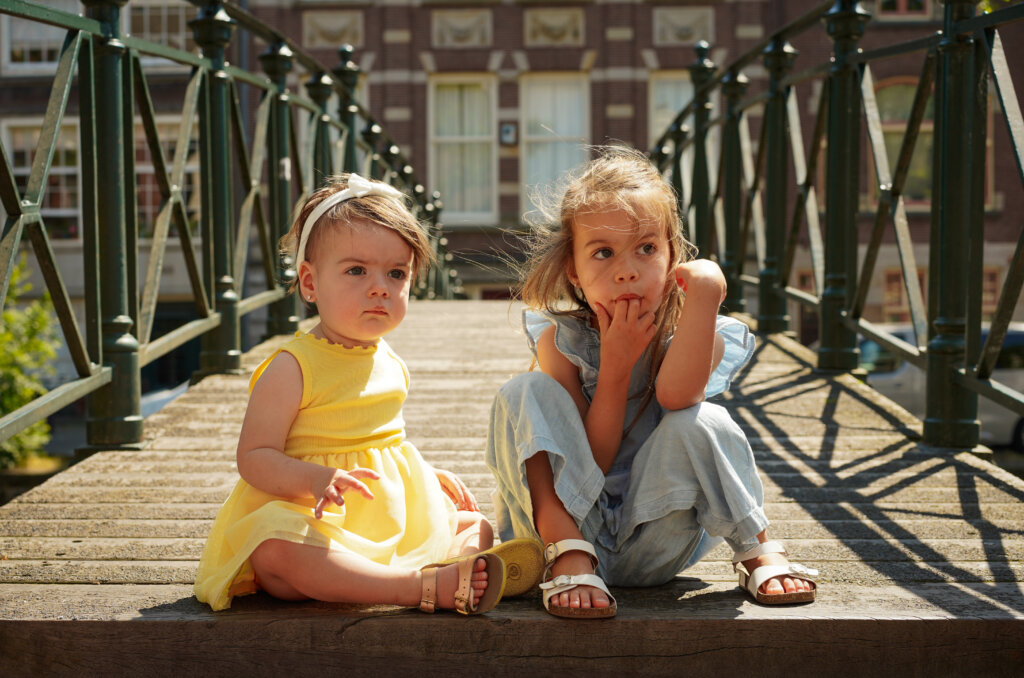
(364,473)
(354,484)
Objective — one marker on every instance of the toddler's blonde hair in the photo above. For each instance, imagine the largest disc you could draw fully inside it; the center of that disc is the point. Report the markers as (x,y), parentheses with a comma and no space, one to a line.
(618,178)
(381,210)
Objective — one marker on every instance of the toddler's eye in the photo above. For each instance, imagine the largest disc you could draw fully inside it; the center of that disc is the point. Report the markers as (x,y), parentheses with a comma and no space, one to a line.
(397,274)
(602,253)
(355,270)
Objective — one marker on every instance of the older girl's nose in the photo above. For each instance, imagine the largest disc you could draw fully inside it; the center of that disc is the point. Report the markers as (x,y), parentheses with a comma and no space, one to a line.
(627,273)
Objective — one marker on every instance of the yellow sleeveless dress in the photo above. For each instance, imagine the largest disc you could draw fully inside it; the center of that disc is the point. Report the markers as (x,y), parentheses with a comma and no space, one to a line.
(350,416)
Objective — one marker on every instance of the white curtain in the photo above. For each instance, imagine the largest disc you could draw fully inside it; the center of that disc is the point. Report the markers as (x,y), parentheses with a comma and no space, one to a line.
(464,148)
(555,127)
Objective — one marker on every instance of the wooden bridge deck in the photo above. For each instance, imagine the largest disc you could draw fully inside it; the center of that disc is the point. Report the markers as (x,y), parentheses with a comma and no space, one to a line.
(921,550)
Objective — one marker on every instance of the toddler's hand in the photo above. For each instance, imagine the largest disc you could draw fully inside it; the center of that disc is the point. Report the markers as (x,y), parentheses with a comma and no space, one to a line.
(625,333)
(701,277)
(331,485)
(457,491)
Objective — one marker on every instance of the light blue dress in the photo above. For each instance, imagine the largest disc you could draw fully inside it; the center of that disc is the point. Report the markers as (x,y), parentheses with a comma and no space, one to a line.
(681,482)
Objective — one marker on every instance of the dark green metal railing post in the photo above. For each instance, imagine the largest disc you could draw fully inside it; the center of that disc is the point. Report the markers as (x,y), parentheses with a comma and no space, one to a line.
(951,411)
(838,349)
(319,89)
(277,61)
(734,86)
(678,132)
(771,314)
(700,197)
(348,74)
(222,348)
(372,134)
(114,412)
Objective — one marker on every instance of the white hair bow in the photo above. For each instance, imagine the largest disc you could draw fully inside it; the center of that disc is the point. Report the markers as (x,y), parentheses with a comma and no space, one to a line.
(358,187)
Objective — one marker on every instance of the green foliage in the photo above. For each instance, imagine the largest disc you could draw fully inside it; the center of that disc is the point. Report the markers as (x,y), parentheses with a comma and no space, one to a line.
(29,339)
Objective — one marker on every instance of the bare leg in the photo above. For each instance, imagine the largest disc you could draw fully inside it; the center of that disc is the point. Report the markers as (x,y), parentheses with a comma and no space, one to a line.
(553,524)
(474,534)
(299,571)
(780,584)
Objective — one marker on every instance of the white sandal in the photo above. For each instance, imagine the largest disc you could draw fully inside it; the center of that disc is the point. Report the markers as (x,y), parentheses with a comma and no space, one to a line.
(566,582)
(751,581)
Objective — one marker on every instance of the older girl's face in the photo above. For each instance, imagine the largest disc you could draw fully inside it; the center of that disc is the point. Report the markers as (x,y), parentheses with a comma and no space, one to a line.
(615,260)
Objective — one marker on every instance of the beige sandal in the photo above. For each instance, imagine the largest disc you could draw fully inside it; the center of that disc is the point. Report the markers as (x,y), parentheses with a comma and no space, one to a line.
(464,593)
(751,581)
(567,582)
(524,564)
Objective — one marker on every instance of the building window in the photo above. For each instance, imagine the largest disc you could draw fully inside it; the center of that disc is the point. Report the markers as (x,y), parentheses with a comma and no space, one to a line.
(895,307)
(164,22)
(31,47)
(150,200)
(555,126)
(464,156)
(989,291)
(669,92)
(895,101)
(60,209)
(904,9)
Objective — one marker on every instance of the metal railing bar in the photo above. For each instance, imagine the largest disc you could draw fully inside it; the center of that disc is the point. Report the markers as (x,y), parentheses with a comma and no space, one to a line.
(921,44)
(147,305)
(147,113)
(813,73)
(176,337)
(60,92)
(9,196)
(293,152)
(995,391)
(255,301)
(195,275)
(256,80)
(56,399)
(1007,98)
(60,298)
(796,146)
(754,101)
(53,17)
(154,49)
(1006,15)
(10,238)
(798,295)
(90,214)
(913,354)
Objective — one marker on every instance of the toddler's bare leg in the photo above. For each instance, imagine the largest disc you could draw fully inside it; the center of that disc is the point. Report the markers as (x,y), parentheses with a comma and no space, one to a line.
(298,571)
(553,524)
(473,536)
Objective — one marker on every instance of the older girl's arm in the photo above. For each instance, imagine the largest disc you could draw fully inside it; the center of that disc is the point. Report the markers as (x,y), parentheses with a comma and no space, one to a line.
(602,419)
(696,348)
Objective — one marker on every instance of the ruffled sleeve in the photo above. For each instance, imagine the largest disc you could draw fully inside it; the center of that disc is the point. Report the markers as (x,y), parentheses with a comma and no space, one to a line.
(534,324)
(739,346)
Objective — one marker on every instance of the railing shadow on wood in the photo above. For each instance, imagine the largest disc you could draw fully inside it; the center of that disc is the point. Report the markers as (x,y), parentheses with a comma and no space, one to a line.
(247,184)
(751,192)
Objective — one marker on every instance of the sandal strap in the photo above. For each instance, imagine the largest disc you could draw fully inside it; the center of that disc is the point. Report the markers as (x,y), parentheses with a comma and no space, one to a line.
(793,570)
(428,589)
(553,550)
(464,593)
(758,551)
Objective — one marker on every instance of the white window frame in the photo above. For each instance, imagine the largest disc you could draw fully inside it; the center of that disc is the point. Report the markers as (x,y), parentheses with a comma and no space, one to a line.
(15,68)
(524,137)
(72,123)
(490,83)
(150,61)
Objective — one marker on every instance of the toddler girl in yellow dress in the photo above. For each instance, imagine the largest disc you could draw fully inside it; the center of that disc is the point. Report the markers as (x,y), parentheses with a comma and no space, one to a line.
(333,503)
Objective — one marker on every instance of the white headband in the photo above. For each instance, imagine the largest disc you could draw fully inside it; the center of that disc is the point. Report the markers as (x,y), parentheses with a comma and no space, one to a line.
(358,187)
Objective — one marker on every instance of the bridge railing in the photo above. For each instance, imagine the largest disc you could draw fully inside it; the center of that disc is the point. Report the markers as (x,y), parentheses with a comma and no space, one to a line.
(752,195)
(245,185)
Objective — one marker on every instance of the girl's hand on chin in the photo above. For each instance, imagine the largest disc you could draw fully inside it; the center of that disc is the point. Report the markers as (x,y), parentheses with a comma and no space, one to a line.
(331,484)
(625,333)
(701,277)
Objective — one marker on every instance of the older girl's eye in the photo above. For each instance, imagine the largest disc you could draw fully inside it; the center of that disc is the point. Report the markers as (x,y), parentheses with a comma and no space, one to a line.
(602,253)
(356,270)
(648,248)
(397,274)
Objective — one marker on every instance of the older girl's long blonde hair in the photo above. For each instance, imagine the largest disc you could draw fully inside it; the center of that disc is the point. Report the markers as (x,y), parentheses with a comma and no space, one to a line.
(618,178)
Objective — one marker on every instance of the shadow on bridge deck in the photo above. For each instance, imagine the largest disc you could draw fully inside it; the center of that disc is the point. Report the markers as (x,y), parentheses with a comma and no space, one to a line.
(920,549)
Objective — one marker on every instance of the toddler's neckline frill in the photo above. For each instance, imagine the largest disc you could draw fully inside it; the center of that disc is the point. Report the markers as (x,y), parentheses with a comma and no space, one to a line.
(341,348)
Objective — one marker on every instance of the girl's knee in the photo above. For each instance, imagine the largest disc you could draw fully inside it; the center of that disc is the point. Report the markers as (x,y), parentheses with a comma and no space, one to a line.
(703,416)
(529,384)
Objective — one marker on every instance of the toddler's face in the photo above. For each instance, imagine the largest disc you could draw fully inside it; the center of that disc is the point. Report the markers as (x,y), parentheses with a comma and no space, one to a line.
(359,279)
(614,260)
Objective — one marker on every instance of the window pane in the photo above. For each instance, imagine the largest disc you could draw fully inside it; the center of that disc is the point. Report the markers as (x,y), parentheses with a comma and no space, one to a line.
(918,186)
(546,161)
(465,176)
(555,128)
(60,208)
(668,96)
(462,110)
(31,42)
(896,101)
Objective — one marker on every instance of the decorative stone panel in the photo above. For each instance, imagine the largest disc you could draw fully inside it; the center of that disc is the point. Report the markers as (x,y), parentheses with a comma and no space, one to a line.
(331,28)
(461,28)
(553,27)
(675,26)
